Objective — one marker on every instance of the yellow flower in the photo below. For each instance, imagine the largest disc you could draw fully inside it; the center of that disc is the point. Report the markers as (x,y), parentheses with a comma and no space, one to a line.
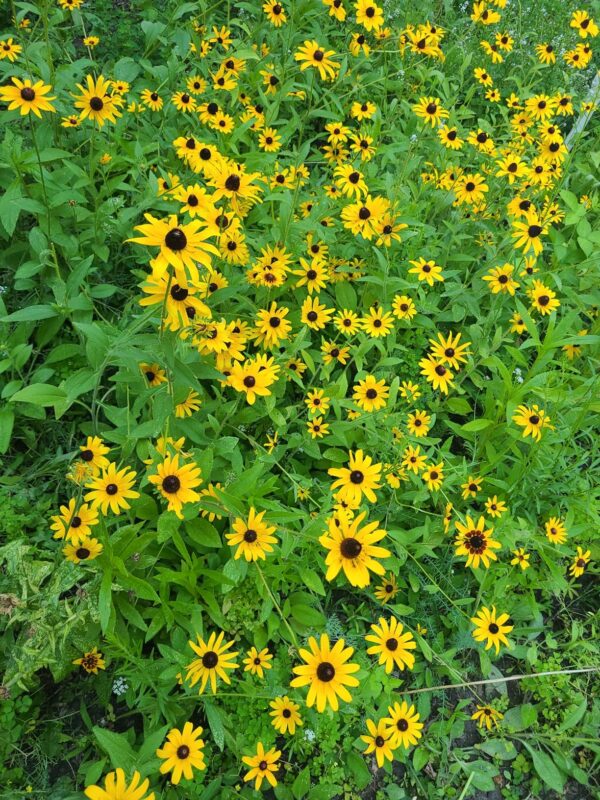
(182,753)
(263,766)
(378,741)
(490,628)
(487,717)
(177,483)
(326,672)
(285,715)
(353,548)
(580,562)
(91,661)
(360,477)
(391,644)
(257,662)
(253,538)
(115,783)
(214,661)
(28,97)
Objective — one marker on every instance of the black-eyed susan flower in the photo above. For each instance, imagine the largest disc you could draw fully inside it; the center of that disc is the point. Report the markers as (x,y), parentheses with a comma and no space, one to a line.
(392,644)
(580,562)
(182,245)
(74,522)
(112,489)
(403,725)
(388,589)
(361,476)
(543,299)
(475,542)
(275,13)
(312,54)
(450,138)
(403,307)
(436,373)
(27,97)
(427,271)
(433,476)
(86,549)
(418,423)
(327,672)
(520,558)
(154,374)
(347,322)
(546,53)
(470,189)
(369,15)
(95,101)
(9,50)
(494,507)
(353,548)
(413,459)
(91,661)
(500,280)
(430,110)
(188,405)
(253,537)
(151,99)
(584,24)
(257,662)
(556,531)
(371,394)
(214,661)
(378,741)
(317,401)
(271,325)
(377,322)
(182,753)
(176,483)
(285,716)
(317,427)
(490,628)
(533,420)
(471,487)
(315,314)
(487,717)
(116,786)
(254,377)
(263,766)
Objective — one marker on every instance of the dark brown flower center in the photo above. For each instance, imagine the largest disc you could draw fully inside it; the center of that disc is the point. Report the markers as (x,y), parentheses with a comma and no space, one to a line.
(176,240)
(210,659)
(171,484)
(183,751)
(82,553)
(392,644)
(96,103)
(250,536)
(325,671)
(402,725)
(318,55)
(350,548)
(493,628)
(431,108)
(249,381)
(112,489)
(28,94)
(232,184)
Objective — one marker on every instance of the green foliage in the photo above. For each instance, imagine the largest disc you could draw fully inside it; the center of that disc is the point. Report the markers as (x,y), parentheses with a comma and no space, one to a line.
(74,337)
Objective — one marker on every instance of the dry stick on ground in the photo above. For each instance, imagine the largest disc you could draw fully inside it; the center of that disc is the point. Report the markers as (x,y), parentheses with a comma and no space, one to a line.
(502,680)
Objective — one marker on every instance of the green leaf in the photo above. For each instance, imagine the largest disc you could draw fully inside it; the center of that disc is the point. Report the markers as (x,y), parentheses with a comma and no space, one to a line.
(308,616)
(7,419)
(546,768)
(359,770)
(39,394)
(215,723)
(301,785)
(477,425)
(117,748)
(31,314)
(104,600)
